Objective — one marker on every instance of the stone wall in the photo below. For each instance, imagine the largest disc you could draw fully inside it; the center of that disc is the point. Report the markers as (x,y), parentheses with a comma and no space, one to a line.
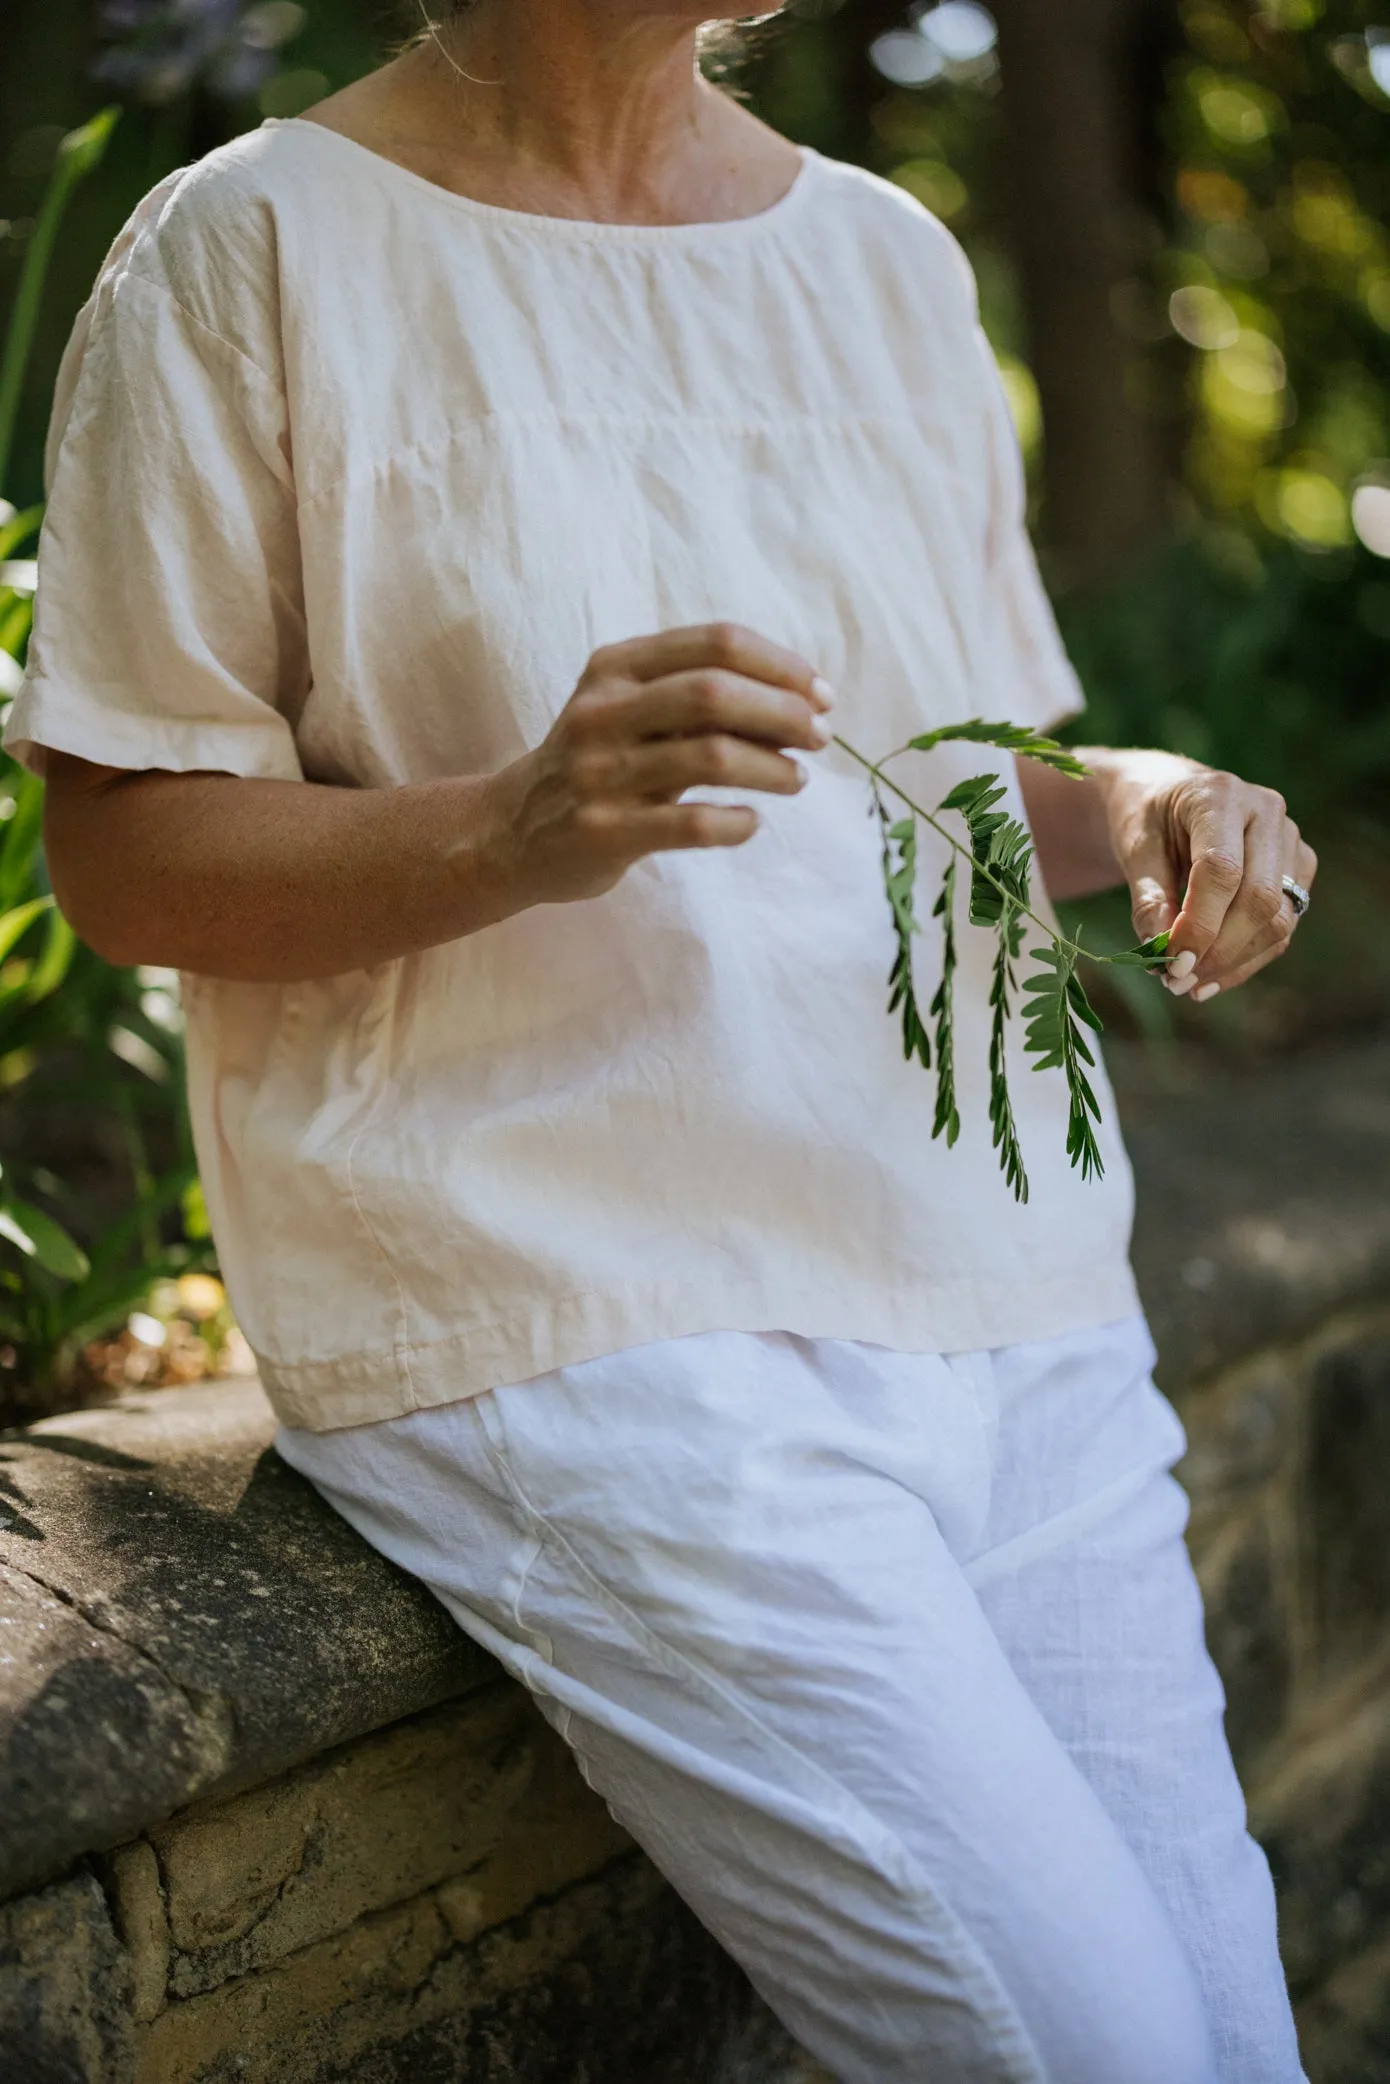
(441,1899)
(1264,1252)
(266,1817)
(1289,1471)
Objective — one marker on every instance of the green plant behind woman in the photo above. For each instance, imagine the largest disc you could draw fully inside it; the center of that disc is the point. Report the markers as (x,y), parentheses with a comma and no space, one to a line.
(78,1042)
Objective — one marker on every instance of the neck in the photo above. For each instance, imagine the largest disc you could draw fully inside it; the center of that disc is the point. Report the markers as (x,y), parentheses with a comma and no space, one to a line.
(582,92)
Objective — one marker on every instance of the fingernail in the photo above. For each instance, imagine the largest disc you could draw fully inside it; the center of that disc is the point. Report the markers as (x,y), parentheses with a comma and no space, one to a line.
(1205,992)
(1182,965)
(823,692)
(802,777)
(822,729)
(1179,985)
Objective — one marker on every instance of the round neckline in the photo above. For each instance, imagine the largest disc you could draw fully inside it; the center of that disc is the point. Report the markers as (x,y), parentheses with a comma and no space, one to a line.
(590,230)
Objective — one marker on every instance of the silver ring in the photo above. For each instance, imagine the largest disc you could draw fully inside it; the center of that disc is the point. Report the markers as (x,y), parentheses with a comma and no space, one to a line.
(1297,896)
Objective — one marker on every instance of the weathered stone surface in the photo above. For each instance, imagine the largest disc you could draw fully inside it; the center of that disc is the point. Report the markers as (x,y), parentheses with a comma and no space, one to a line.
(610,1982)
(64,1994)
(92,1735)
(480,1794)
(1344,1506)
(1262,1206)
(137,1901)
(1245,1571)
(1321,1805)
(1345,2029)
(179,1613)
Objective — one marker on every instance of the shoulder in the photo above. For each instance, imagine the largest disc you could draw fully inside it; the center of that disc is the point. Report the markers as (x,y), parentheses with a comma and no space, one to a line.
(193,275)
(209,236)
(897,234)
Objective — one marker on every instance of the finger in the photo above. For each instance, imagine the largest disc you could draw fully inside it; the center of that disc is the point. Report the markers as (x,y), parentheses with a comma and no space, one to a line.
(707,699)
(727,646)
(672,765)
(1216,845)
(1259,917)
(1300,862)
(1241,975)
(1152,875)
(1305,865)
(630,832)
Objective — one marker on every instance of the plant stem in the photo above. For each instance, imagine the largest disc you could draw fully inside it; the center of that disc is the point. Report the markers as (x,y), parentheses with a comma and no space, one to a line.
(77,155)
(877,772)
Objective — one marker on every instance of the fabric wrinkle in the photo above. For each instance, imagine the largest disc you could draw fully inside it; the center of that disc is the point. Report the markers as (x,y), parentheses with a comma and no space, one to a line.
(986,1841)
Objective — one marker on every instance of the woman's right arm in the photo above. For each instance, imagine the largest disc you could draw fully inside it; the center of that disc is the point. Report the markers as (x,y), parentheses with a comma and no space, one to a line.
(277,881)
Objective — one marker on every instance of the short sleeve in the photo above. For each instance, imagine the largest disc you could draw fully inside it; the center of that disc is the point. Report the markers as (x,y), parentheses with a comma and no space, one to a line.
(169,624)
(1029,670)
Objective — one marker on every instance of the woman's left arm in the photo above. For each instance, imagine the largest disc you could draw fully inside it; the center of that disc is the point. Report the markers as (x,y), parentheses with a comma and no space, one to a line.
(1204,855)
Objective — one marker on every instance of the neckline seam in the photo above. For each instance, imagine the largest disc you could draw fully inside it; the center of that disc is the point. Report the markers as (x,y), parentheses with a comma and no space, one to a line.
(583,230)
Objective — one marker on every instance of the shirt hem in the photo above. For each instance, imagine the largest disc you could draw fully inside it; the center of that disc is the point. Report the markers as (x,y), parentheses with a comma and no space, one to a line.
(363,1387)
(47,717)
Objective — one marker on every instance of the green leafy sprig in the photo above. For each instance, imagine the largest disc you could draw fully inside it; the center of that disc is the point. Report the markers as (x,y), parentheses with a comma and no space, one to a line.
(1056,1010)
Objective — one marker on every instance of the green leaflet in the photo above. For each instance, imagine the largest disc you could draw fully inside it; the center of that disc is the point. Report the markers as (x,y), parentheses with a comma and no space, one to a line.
(1054,1039)
(1149,955)
(18,920)
(1001,848)
(39,1238)
(899,876)
(1014,738)
(947,1118)
(1003,1128)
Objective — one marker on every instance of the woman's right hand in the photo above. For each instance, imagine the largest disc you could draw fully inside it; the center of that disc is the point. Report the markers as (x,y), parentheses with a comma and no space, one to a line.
(274,881)
(714,706)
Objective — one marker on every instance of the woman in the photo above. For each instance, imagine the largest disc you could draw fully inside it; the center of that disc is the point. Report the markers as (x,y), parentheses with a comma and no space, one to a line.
(444,486)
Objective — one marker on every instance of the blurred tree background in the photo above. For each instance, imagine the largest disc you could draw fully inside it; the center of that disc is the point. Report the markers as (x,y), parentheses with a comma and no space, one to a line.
(1175,210)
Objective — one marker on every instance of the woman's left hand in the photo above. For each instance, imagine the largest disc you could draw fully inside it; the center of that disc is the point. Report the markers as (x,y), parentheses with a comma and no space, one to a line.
(1205,855)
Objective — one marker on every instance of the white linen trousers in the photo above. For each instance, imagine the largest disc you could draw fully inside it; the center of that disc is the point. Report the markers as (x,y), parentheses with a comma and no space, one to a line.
(894,1664)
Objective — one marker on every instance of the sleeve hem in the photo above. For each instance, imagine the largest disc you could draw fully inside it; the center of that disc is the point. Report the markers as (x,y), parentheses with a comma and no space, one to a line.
(44,718)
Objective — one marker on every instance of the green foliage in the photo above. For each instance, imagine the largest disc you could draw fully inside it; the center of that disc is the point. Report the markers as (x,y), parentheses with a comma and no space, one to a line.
(1000,853)
(78,1039)
(1015,738)
(899,878)
(1000,849)
(947,1117)
(78,155)
(1054,1011)
(1276,271)
(1003,1128)
(1273,665)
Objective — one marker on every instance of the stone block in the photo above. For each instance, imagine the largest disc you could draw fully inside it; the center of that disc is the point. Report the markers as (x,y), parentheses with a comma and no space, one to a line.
(481,1793)
(1261,1210)
(1244,1432)
(1245,1566)
(137,1901)
(1345,1496)
(181,1615)
(64,1992)
(1321,1807)
(1344,2028)
(612,1982)
(559,1834)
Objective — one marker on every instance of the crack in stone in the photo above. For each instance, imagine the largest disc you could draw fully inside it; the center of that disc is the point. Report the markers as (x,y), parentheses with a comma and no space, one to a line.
(213,1714)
